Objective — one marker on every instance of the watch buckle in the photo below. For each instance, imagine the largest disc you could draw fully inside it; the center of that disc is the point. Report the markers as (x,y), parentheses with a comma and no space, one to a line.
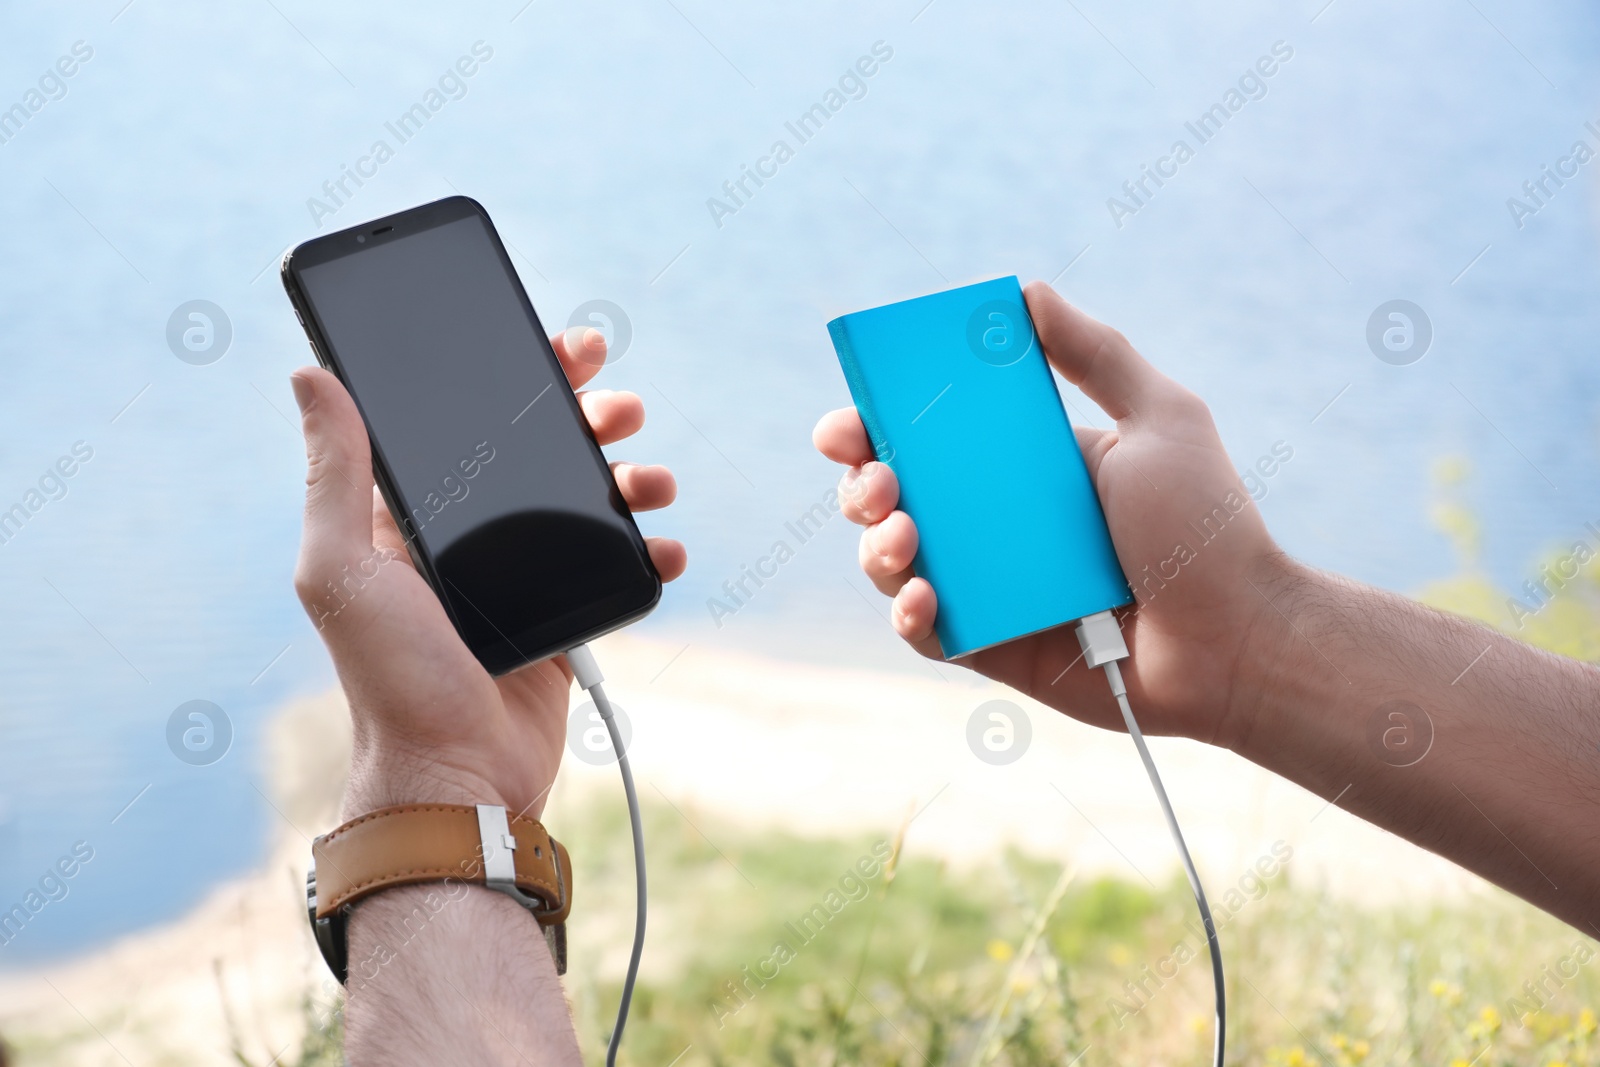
(500,864)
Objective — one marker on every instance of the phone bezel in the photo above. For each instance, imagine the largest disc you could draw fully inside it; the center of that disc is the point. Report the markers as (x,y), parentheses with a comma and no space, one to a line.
(508,655)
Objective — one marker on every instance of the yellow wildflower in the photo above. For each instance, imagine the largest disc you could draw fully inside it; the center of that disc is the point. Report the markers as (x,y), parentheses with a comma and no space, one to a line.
(1119,955)
(1586,1023)
(1350,1052)
(1448,992)
(1000,951)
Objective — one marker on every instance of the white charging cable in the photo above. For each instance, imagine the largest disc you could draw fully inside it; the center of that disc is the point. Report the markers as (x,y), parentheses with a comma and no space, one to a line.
(587,673)
(1103,646)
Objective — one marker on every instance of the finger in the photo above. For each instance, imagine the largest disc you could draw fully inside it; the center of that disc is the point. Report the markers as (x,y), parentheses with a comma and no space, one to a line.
(645,488)
(1094,443)
(582,352)
(612,415)
(912,615)
(1093,356)
(868,493)
(338,516)
(840,436)
(385,534)
(669,556)
(887,551)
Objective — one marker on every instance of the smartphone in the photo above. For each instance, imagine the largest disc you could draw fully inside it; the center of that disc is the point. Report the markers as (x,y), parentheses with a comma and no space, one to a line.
(479,448)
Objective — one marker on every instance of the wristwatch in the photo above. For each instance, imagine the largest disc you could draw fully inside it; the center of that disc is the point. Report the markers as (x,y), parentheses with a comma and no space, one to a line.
(453,844)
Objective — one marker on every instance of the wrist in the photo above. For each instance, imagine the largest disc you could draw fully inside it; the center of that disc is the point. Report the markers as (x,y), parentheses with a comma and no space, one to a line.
(1276,656)
(490,763)
(393,778)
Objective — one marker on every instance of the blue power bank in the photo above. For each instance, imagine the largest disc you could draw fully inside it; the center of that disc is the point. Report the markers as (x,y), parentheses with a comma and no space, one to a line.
(958,400)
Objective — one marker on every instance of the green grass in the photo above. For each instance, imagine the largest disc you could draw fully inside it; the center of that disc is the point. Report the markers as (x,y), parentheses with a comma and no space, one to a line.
(937,967)
(997,965)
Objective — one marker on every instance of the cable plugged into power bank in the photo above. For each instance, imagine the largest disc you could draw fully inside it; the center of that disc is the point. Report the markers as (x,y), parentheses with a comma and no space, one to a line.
(1103,646)
(587,673)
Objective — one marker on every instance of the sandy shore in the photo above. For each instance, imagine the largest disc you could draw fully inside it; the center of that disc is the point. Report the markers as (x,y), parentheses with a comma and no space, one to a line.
(821,750)
(728,740)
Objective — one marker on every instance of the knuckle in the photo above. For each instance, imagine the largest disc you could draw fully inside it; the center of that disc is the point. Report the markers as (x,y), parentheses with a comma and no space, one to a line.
(308,583)
(319,466)
(327,585)
(1188,404)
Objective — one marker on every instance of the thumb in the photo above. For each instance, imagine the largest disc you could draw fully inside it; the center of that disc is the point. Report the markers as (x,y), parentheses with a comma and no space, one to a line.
(338,519)
(1094,357)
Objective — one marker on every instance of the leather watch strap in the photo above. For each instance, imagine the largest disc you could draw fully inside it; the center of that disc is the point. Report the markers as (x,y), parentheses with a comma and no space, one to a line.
(413,843)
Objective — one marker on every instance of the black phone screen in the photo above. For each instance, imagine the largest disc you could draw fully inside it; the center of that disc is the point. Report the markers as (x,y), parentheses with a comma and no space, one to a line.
(481,449)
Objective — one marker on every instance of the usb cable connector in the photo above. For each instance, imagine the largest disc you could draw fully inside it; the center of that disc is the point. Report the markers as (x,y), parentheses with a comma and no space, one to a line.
(1100,635)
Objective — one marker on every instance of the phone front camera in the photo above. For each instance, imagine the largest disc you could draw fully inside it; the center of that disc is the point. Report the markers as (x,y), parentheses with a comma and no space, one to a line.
(361,238)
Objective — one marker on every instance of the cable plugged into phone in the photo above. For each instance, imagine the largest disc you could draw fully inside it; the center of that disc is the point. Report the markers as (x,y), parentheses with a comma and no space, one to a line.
(587,673)
(1103,646)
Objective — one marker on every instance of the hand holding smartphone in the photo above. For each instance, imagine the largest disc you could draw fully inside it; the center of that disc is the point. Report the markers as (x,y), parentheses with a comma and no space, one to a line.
(432,723)
(482,453)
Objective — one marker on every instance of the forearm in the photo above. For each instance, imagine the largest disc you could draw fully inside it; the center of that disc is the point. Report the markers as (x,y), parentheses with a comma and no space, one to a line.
(1495,763)
(452,973)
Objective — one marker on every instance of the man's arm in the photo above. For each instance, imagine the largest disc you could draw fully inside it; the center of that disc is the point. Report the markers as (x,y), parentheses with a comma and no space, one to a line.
(1349,685)
(1332,684)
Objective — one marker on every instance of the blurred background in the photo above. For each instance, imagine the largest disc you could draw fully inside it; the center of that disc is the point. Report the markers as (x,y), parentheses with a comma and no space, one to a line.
(157,158)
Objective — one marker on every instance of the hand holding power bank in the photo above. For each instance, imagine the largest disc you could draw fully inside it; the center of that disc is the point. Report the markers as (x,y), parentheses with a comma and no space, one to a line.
(957,398)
